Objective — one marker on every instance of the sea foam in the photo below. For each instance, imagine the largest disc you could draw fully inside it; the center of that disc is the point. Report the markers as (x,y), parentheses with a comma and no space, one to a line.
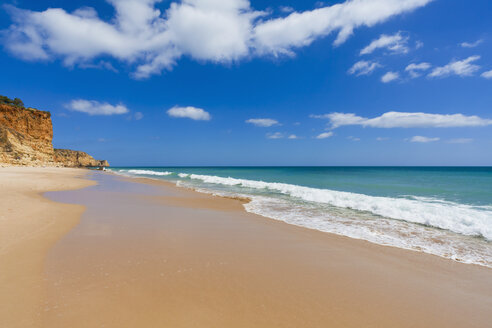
(147,172)
(378,230)
(463,219)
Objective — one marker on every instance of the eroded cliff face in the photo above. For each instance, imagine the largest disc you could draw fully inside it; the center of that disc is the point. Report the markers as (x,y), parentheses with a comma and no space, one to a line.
(26,137)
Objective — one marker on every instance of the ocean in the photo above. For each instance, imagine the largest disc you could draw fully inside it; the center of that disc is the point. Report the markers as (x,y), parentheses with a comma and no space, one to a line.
(445,211)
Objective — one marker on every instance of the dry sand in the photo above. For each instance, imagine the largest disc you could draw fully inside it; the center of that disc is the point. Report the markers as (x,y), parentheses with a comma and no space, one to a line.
(29,225)
(153,255)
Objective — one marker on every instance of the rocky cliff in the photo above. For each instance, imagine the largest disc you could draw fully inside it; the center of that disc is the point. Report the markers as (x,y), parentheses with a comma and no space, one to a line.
(26,136)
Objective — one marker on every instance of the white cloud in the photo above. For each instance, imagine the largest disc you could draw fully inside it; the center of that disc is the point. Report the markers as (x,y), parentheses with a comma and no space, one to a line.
(382,138)
(487,75)
(262,122)
(422,139)
(293,136)
(415,69)
(100,65)
(280,35)
(93,107)
(324,135)
(406,120)
(396,44)
(341,119)
(138,116)
(320,116)
(207,30)
(276,135)
(390,76)
(286,9)
(353,138)
(460,140)
(457,67)
(363,67)
(471,44)
(193,113)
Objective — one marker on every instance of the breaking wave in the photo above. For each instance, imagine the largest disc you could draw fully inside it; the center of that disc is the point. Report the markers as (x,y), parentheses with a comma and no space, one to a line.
(463,219)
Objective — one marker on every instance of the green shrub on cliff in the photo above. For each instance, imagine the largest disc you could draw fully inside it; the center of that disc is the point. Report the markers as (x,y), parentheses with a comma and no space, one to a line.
(15,102)
(18,102)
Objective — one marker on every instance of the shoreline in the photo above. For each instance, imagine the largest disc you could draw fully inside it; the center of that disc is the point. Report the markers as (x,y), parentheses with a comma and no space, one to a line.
(245,200)
(149,253)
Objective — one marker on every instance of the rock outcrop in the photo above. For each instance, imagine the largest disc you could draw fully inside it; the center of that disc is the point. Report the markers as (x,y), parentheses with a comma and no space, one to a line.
(26,137)
(74,158)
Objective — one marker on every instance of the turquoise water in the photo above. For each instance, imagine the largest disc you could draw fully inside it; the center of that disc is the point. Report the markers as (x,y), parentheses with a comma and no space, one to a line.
(446,211)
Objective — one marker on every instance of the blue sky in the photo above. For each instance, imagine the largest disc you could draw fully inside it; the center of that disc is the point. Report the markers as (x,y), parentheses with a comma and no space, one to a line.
(142,82)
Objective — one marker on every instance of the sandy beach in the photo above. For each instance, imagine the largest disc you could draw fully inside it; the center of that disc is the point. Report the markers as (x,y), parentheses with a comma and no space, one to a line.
(30,225)
(141,253)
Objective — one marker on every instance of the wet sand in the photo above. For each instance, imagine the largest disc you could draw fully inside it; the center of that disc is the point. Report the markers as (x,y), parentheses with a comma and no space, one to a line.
(144,253)
(154,255)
